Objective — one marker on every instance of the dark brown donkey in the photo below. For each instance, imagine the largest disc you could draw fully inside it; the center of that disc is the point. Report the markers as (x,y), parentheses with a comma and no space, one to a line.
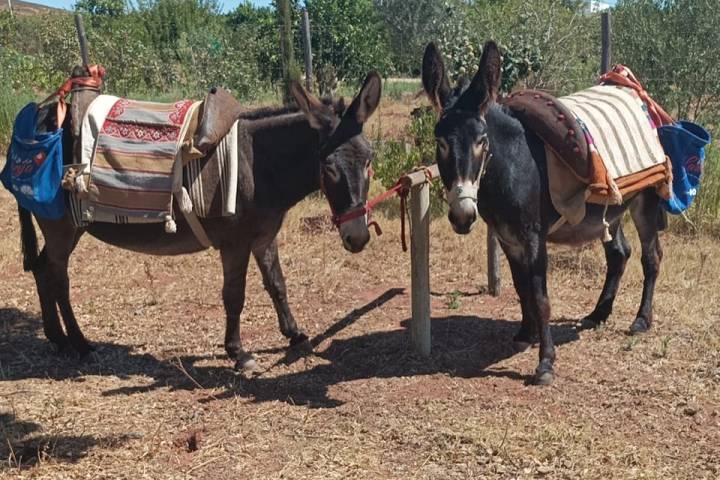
(513,197)
(289,153)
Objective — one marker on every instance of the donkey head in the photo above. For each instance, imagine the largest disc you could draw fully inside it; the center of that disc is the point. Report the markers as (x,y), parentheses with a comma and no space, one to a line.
(345,155)
(461,130)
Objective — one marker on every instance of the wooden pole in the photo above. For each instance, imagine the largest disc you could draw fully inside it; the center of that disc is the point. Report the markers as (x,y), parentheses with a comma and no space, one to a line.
(286,47)
(82,39)
(493,271)
(420,267)
(606,58)
(307,40)
(10,7)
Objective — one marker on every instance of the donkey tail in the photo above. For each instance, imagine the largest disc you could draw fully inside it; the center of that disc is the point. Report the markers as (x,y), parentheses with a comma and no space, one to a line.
(28,238)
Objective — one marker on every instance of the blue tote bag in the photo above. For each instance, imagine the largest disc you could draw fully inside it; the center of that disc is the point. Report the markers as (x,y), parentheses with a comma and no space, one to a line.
(33,170)
(684,142)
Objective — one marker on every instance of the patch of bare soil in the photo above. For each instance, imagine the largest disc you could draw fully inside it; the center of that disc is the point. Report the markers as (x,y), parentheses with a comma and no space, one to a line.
(160,399)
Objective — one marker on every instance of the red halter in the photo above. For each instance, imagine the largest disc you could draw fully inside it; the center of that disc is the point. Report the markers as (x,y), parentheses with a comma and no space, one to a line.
(400,189)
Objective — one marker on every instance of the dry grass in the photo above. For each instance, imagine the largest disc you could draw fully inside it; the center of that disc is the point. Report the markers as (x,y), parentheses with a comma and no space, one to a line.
(160,399)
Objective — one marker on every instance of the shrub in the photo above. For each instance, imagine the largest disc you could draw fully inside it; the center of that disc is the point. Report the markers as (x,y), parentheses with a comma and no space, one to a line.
(394,158)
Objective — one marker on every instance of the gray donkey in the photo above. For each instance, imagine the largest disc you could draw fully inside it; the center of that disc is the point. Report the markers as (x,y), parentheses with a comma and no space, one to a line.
(290,153)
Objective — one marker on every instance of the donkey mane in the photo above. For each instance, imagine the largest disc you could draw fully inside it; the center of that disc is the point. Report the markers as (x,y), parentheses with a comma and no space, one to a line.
(264,113)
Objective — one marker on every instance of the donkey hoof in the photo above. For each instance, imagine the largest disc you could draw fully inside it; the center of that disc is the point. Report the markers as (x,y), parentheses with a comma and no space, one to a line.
(246,364)
(589,323)
(544,377)
(521,346)
(640,325)
(301,344)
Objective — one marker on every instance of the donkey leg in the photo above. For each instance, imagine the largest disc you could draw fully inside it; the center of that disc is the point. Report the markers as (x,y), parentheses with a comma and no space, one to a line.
(529,267)
(644,211)
(525,336)
(540,305)
(617,253)
(51,321)
(268,261)
(235,264)
(59,252)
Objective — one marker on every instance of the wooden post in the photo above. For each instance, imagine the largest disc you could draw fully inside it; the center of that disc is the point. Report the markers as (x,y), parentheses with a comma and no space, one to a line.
(10,7)
(606,59)
(420,267)
(493,271)
(307,41)
(284,11)
(82,39)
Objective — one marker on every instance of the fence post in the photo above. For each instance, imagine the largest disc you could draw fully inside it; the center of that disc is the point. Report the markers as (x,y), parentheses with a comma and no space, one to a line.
(606,59)
(493,271)
(420,267)
(286,47)
(82,39)
(307,40)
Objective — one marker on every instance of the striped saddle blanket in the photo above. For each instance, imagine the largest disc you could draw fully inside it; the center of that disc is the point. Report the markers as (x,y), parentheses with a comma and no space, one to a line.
(624,150)
(136,159)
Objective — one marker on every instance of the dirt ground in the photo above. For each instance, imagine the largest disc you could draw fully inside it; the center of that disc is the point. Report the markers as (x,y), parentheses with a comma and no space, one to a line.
(160,399)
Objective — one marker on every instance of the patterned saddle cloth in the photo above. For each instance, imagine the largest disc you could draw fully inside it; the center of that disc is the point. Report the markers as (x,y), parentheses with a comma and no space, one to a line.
(137,156)
(601,145)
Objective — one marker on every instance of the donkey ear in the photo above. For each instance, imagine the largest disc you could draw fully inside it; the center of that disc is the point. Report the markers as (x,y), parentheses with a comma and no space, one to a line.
(366,102)
(486,84)
(315,111)
(434,77)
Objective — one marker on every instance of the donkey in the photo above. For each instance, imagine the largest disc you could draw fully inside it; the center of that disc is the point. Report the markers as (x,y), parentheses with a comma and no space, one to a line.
(493,167)
(291,153)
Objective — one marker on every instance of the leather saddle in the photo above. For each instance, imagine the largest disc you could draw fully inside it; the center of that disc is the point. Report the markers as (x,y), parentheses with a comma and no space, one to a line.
(219,112)
(556,125)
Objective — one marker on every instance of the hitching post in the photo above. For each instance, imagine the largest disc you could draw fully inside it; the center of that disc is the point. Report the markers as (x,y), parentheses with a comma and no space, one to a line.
(419,185)
(493,263)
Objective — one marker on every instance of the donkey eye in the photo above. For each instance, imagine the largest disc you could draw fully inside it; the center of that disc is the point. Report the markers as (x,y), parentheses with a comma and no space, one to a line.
(443,147)
(478,147)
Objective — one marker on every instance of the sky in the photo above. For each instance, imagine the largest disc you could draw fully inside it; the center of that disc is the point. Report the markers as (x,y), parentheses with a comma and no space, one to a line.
(68,4)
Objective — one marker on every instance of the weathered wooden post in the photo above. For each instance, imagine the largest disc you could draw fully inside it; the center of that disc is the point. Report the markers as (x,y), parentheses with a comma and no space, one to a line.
(307,43)
(82,40)
(286,48)
(606,59)
(10,7)
(419,185)
(420,269)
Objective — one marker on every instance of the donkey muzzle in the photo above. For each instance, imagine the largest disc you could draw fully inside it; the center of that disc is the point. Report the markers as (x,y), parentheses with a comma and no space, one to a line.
(463,206)
(355,234)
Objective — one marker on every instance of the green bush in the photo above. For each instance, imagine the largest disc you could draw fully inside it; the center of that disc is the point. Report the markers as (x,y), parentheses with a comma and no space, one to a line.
(395,158)
(705,211)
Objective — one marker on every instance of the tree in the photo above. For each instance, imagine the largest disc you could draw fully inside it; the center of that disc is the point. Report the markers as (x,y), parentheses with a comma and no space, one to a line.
(672,46)
(348,35)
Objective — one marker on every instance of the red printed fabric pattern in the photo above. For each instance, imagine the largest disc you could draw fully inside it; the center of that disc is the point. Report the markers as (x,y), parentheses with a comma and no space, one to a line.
(134,161)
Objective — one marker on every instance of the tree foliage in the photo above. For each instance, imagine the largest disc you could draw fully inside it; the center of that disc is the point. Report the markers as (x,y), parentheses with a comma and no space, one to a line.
(672,46)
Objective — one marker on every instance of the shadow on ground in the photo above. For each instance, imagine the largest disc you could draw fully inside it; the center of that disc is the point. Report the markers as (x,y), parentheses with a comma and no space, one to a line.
(464,346)
(24,446)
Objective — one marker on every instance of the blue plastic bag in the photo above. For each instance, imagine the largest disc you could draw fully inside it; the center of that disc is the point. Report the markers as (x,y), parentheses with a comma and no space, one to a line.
(33,170)
(684,142)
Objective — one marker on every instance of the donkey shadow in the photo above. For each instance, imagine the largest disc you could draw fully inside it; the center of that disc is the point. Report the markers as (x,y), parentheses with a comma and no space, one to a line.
(462,346)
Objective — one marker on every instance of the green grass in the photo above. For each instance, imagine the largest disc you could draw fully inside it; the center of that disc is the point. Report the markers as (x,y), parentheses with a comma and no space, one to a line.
(705,211)
(10,105)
